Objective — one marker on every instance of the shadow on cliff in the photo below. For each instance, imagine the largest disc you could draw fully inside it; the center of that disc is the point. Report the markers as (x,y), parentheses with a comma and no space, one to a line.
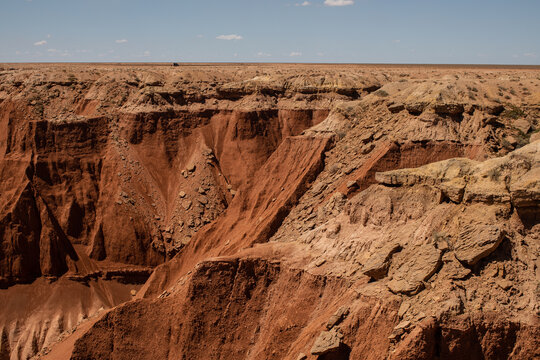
(343,353)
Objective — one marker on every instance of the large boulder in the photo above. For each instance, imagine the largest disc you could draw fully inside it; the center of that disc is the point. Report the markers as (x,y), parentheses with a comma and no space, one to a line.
(477,241)
(413,267)
(525,191)
(327,342)
(377,265)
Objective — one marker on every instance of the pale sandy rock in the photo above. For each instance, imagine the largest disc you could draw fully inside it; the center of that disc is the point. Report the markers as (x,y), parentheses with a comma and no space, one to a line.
(333,230)
(453,269)
(318,188)
(477,241)
(504,284)
(522,125)
(403,308)
(415,108)
(449,109)
(525,190)
(327,342)
(414,266)
(186,204)
(487,192)
(395,108)
(379,262)
(403,325)
(453,189)
(471,181)
(402,286)
(450,307)
(337,317)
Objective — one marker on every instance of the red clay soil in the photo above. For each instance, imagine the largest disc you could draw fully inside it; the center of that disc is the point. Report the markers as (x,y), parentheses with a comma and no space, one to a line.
(235,309)
(258,208)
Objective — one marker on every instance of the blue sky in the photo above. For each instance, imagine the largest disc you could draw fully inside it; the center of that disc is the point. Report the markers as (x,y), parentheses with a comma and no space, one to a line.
(351,31)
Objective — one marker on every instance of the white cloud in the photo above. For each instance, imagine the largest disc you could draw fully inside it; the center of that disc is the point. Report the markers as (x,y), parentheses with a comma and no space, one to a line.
(39,43)
(229,37)
(263,54)
(295,53)
(338,2)
(305,3)
(56,52)
(146,53)
(396,41)
(200,36)
(48,36)
(121,41)
(529,55)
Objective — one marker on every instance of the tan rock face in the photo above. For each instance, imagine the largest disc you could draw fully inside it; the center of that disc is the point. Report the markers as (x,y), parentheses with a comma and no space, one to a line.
(525,191)
(476,241)
(337,317)
(378,264)
(511,179)
(327,342)
(412,267)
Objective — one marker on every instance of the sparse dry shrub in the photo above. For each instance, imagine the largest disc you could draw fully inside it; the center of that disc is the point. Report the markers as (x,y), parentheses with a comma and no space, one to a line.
(513,112)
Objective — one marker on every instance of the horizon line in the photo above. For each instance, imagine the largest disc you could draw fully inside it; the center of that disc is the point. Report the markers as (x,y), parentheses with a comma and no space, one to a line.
(188,63)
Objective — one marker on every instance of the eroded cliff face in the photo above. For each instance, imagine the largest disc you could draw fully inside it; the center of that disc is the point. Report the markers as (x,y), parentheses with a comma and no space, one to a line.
(271,201)
(132,186)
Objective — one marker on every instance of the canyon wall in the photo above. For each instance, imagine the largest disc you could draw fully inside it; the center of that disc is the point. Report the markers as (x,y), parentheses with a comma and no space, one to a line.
(264,211)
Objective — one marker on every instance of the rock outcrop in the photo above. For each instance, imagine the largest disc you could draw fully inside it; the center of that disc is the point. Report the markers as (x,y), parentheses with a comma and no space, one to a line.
(327,342)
